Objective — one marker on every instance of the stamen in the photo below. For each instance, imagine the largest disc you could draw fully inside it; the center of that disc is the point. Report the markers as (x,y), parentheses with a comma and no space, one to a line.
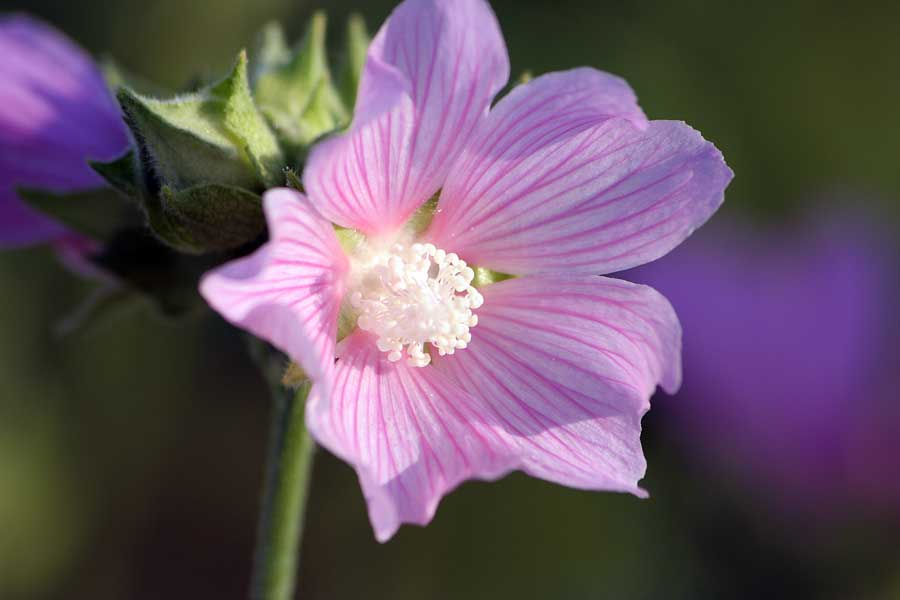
(413,295)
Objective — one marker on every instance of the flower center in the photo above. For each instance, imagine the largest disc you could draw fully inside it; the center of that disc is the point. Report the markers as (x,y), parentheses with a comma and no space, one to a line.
(415,294)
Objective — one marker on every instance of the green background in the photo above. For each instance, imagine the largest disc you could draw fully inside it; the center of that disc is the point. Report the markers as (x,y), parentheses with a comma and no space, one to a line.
(131,454)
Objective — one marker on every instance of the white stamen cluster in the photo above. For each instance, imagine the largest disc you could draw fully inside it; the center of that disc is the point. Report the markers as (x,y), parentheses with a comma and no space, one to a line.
(413,295)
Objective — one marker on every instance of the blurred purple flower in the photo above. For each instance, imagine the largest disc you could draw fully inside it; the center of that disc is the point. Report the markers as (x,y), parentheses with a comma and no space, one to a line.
(790,358)
(56,112)
(562,180)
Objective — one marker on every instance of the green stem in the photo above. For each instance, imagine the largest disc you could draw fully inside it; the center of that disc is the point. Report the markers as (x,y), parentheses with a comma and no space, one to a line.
(291,451)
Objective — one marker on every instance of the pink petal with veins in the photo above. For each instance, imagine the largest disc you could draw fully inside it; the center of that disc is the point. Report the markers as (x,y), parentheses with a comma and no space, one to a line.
(429,79)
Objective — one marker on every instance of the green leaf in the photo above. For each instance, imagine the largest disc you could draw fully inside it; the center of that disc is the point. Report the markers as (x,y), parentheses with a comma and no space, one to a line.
(356,47)
(121,173)
(206,218)
(213,136)
(296,92)
(96,213)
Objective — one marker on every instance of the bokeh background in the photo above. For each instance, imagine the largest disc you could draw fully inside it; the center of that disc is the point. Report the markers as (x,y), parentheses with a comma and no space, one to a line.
(131,453)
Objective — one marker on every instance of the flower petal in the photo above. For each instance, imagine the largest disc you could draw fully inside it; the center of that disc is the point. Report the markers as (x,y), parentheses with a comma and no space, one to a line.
(429,79)
(566,175)
(289,291)
(55,113)
(411,435)
(568,363)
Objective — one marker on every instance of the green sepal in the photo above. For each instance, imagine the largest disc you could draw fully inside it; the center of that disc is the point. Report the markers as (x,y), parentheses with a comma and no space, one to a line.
(248,127)
(324,113)
(293,180)
(295,91)
(356,46)
(96,213)
(216,135)
(206,218)
(349,239)
(181,145)
(347,318)
(294,376)
(122,173)
(485,277)
(270,51)
(421,219)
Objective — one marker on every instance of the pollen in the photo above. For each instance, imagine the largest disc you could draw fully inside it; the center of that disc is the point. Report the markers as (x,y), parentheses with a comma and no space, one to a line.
(413,295)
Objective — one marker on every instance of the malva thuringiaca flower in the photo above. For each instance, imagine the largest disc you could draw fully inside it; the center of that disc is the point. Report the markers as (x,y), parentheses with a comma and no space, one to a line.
(56,113)
(441,376)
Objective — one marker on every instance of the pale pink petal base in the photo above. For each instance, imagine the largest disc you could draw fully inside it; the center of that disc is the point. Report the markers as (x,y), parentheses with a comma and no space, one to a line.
(289,291)
(430,76)
(411,435)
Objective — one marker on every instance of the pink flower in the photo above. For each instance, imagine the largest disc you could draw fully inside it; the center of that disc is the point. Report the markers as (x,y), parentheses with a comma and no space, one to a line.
(563,180)
(56,112)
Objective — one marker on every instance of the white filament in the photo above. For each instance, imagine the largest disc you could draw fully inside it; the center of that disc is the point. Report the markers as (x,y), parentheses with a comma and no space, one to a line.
(415,294)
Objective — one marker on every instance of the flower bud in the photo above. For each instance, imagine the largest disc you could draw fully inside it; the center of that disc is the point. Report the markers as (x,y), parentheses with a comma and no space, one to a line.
(216,135)
(295,90)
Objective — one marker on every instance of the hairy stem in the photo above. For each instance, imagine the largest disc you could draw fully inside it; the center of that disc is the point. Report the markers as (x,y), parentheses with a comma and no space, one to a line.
(290,461)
